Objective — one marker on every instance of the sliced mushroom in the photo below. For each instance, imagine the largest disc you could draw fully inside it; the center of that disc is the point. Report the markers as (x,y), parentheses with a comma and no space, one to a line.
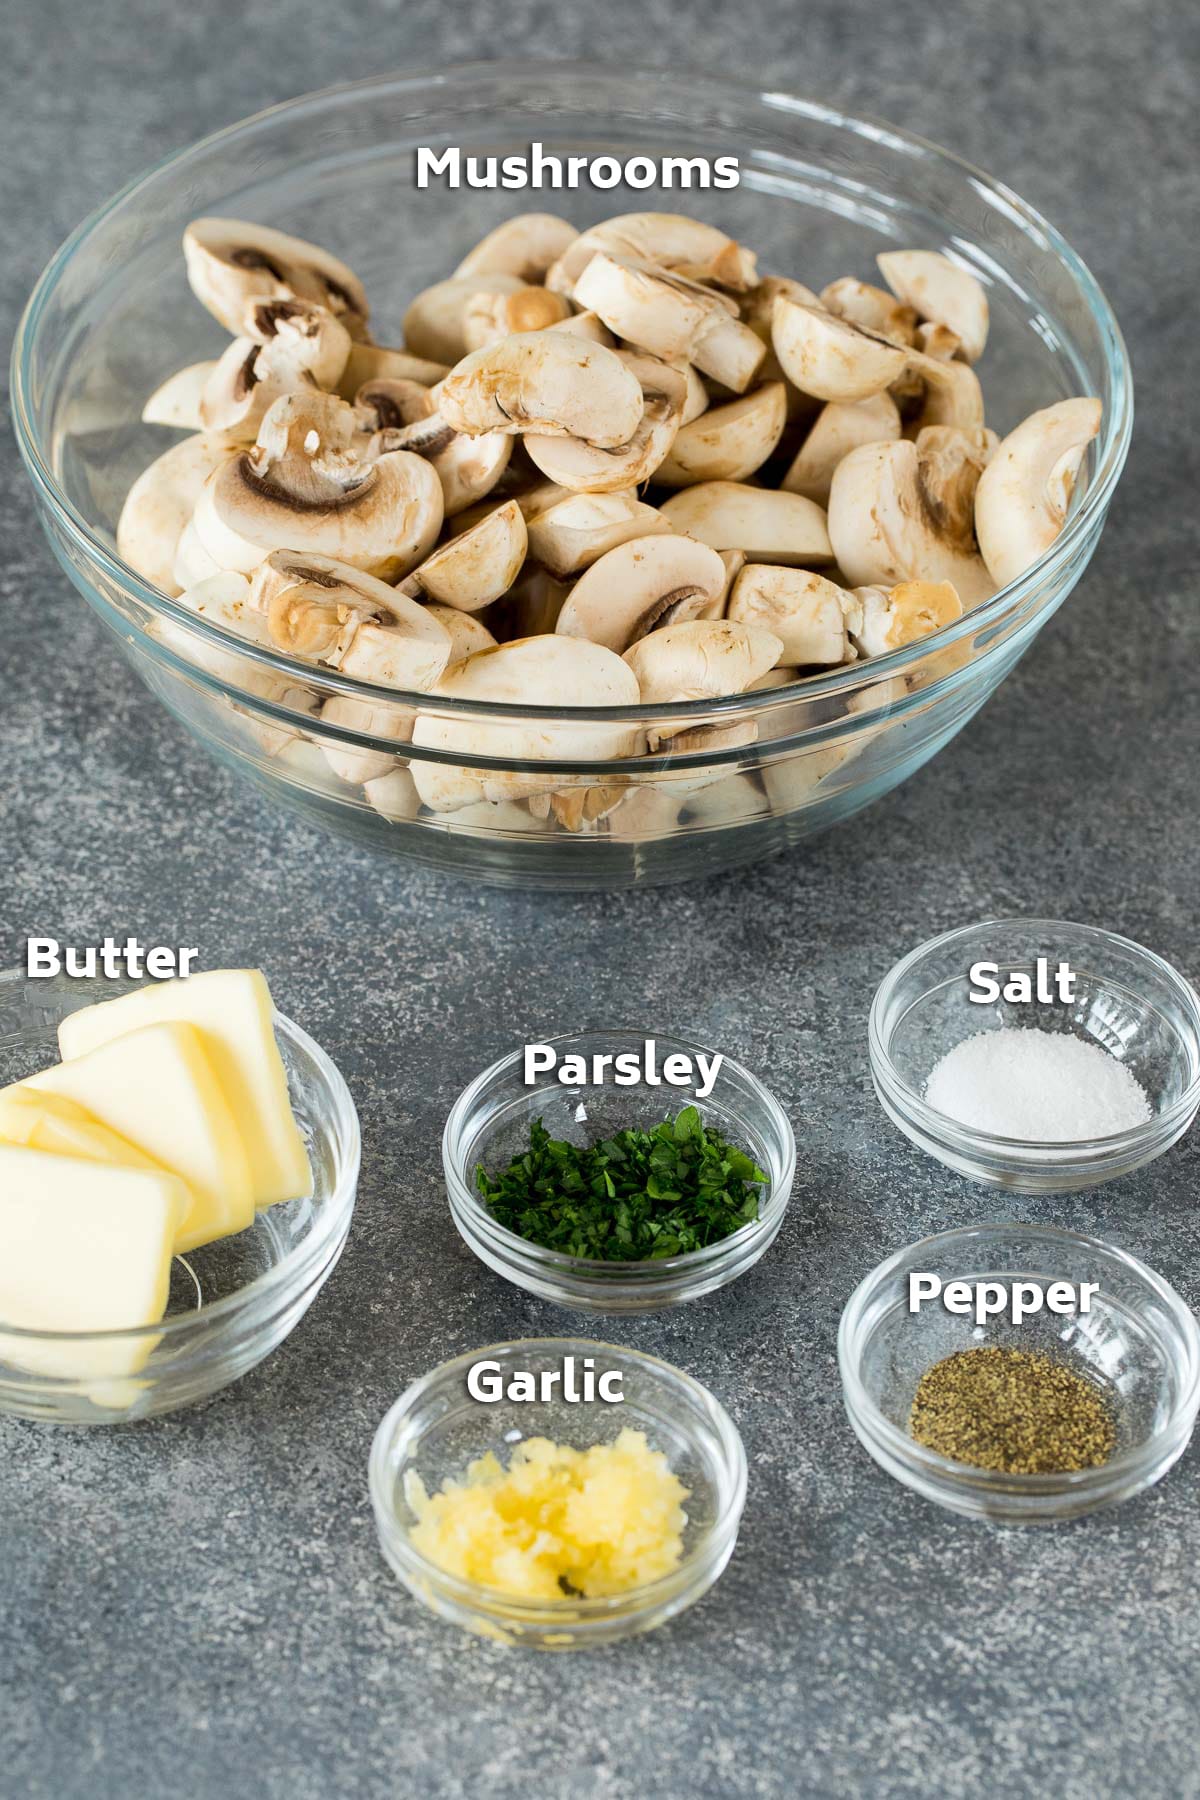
(468,634)
(757,308)
(883,619)
(579,808)
(192,562)
(176,401)
(947,393)
(940,291)
(547,384)
(672,318)
(896,516)
(372,362)
(829,357)
(433,324)
(698,659)
(839,427)
(727,443)
(402,416)
(230,262)
(545,671)
(1024,492)
(160,503)
(489,317)
(477,566)
(871,309)
(524,246)
(938,341)
(584,468)
(670,240)
(286,345)
(224,600)
(585,325)
(769,526)
(642,586)
(572,534)
(806,613)
(393,794)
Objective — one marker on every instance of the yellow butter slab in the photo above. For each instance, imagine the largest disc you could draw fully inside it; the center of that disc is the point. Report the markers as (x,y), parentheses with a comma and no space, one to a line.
(157,1088)
(234,1011)
(52,1122)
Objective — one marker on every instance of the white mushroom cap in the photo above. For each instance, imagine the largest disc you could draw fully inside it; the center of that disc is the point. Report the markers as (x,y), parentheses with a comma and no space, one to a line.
(939,290)
(394,794)
(573,533)
(524,246)
(434,322)
(702,659)
(641,586)
(951,394)
(894,517)
(467,633)
(672,317)
(839,427)
(230,261)
(478,565)
(402,416)
(585,325)
(489,317)
(727,443)
(806,613)
(546,383)
(315,605)
(769,526)
(830,358)
(544,671)
(872,309)
(176,401)
(584,468)
(372,362)
(193,563)
(305,485)
(883,619)
(1024,492)
(670,240)
(286,345)
(160,503)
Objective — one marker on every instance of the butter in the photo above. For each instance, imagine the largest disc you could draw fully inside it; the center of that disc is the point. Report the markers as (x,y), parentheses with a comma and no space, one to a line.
(52,1122)
(84,1247)
(232,1008)
(156,1087)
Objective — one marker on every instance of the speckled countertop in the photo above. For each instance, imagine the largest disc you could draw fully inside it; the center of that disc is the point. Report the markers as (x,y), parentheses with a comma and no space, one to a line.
(198,1606)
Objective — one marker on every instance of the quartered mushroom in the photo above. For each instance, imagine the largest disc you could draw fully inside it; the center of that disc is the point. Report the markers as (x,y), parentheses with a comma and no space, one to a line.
(531,606)
(373,362)
(839,427)
(585,325)
(285,345)
(642,586)
(587,468)
(757,309)
(1024,492)
(805,612)
(160,503)
(434,322)
(475,567)
(670,240)
(393,794)
(176,401)
(829,357)
(547,384)
(306,485)
(896,514)
(402,415)
(545,671)
(727,443)
(767,525)
(192,562)
(940,291)
(698,659)
(872,309)
(671,316)
(524,246)
(230,262)
(936,391)
(489,317)
(574,533)
(883,619)
(467,633)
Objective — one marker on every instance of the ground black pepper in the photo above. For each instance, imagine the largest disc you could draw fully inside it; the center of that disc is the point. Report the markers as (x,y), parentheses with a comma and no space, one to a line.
(1012,1410)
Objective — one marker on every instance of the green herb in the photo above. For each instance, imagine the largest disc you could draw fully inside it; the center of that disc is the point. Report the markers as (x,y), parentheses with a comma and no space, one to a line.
(1014,1410)
(635,1196)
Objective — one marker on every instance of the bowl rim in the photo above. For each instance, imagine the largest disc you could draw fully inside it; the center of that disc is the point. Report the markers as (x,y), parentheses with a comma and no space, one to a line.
(604,1272)
(1112,443)
(584,1609)
(909,1450)
(283,1276)
(1028,1151)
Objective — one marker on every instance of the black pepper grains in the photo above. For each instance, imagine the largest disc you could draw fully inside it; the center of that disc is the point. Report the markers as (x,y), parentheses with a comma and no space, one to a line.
(1015,1411)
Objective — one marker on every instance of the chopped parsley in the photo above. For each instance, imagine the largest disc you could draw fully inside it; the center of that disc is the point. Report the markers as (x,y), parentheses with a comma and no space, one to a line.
(632,1197)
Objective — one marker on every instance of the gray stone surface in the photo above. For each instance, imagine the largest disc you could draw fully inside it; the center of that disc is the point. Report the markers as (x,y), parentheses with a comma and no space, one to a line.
(198,1606)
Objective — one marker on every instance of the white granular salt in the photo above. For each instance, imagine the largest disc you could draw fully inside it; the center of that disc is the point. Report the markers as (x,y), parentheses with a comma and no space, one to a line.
(1047,1087)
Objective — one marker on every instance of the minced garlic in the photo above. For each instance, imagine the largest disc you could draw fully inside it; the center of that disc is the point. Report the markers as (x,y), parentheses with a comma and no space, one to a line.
(557,1521)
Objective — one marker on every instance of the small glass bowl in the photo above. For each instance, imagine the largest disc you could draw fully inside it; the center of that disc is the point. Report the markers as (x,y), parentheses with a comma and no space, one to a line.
(436,1429)
(231,1302)
(1138,1342)
(1127,1000)
(489,1124)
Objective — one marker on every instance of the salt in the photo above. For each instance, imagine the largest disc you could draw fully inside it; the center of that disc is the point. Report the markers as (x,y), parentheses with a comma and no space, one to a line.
(1047,1087)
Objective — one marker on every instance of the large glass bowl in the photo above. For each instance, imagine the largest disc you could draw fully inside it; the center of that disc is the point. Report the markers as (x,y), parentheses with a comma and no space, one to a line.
(820,194)
(231,1302)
